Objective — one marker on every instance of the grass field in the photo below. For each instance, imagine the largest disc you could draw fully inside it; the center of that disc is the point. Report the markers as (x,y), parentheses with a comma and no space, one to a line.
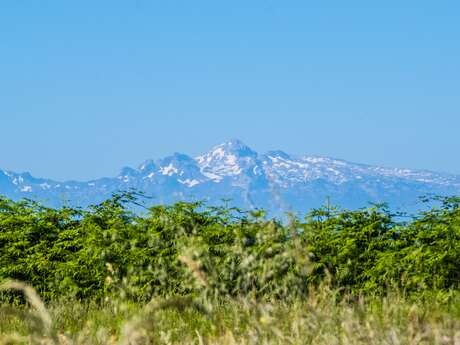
(318,319)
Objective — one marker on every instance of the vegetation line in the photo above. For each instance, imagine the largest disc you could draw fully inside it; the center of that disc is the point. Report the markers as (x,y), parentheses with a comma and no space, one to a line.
(188,273)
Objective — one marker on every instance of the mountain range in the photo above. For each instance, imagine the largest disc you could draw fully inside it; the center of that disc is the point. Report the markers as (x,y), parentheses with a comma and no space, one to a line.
(275,181)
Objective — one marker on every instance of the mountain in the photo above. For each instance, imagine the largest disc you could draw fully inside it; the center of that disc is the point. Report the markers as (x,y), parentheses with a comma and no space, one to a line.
(275,181)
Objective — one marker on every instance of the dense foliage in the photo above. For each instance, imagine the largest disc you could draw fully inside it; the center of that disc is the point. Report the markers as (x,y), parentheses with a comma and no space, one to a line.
(187,248)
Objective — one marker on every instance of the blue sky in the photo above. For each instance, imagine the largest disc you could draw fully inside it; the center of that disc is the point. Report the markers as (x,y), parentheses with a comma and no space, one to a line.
(90,86)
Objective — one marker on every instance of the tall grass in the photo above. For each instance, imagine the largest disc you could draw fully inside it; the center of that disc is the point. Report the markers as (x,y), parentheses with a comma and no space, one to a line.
(318,319)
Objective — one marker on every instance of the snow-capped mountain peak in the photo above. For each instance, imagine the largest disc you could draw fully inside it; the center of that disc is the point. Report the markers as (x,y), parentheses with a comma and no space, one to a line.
(229,159)
(276,181)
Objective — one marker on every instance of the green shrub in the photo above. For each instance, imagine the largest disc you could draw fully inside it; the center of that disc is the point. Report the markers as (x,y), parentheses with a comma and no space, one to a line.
(108,249)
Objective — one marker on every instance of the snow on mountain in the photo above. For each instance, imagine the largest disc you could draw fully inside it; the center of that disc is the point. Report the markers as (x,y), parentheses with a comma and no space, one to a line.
(275,180)
(229,159)
(184,169)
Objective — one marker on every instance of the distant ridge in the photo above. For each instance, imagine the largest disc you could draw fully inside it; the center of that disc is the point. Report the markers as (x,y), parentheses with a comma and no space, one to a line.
(276,181)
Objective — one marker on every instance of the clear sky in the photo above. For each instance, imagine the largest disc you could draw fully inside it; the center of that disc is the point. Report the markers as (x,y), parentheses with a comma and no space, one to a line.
(87,87)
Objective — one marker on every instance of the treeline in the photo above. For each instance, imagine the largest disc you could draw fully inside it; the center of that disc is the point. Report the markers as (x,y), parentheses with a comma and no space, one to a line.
(188,248)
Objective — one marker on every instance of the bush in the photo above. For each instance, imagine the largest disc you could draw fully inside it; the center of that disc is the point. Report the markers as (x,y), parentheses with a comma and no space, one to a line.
(185,248)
